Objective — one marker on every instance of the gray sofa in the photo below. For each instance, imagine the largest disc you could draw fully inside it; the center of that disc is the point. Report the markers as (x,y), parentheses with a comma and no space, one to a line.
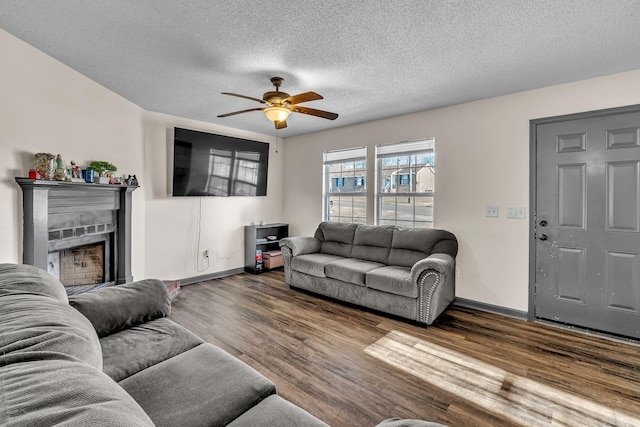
(113,358)
(405,272)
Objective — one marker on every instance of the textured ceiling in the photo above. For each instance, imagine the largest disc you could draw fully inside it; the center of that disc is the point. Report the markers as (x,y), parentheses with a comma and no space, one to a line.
(369,59)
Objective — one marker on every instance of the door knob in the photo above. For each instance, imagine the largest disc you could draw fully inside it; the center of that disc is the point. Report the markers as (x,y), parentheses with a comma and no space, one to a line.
(543,223)
(543,236)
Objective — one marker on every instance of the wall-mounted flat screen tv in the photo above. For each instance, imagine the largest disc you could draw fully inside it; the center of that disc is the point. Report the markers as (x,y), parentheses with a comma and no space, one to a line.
(206,164)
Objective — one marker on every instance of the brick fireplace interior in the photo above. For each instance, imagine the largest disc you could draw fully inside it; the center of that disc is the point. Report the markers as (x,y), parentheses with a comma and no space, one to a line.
(83,265)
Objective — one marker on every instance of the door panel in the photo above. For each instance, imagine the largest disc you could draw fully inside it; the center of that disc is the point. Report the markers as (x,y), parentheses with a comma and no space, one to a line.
(621,281)
(622,196)
(570,278)
(623,138)
(587,250)
(571,196)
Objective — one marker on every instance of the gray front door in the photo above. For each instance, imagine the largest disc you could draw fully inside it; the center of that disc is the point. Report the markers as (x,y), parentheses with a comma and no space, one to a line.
(587,221)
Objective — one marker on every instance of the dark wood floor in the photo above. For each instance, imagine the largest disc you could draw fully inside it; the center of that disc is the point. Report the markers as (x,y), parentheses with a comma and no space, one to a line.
(351,367)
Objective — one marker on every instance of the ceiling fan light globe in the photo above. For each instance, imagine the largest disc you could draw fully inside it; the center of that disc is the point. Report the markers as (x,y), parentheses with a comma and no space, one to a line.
(277,114)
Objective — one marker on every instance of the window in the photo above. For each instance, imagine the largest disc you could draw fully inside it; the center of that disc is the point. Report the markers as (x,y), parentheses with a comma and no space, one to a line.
(344,195)
(405,183)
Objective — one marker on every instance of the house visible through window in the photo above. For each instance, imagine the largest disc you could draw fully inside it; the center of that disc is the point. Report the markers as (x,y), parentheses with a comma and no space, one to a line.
(405,188)
(344,195)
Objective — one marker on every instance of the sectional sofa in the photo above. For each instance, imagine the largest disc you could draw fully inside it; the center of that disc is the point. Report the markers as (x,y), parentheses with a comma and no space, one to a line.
(113,358)
(406,272)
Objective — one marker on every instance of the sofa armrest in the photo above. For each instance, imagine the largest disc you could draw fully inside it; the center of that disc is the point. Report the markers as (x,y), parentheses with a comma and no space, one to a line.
(293,246)
(441,263)
(301,245)
(115,308)
(435,278)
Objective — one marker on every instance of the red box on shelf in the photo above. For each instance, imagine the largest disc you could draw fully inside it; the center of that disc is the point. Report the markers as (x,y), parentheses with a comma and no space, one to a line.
(272,259)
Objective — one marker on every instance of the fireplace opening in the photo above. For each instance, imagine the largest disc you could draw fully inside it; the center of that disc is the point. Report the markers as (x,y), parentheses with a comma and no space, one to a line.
(82,268)
(82,265)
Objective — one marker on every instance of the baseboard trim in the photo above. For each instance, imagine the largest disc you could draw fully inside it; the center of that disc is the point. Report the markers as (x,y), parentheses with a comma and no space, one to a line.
(210,276)
(496,309)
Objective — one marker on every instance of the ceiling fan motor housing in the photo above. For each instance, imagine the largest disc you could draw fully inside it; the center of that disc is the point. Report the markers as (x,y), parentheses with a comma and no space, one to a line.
(275,97)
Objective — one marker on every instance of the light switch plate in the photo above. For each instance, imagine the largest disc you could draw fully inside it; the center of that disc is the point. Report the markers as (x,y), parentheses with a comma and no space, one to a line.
(518,212)
(491,211)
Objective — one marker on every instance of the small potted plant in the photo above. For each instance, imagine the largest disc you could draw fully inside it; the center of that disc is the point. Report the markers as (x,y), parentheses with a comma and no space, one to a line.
(103,169)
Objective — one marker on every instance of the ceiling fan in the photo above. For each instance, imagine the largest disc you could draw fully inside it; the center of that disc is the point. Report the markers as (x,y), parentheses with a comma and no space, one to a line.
(281,104)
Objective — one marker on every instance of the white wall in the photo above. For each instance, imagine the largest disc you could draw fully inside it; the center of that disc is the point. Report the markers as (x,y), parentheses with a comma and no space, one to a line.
(482,158)
(179,229)
(47,107)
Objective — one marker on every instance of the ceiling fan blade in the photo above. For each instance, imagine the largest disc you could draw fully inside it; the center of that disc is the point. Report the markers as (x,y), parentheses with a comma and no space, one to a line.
(281,124)
(303,97)
(245,97)
(240,112)
(314,112)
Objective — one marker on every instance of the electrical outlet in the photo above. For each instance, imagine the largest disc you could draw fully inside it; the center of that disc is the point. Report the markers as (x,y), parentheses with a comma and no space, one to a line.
(491,211)
(457,272)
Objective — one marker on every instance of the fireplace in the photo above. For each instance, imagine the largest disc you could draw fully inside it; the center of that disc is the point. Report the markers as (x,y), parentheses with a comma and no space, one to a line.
(79,232)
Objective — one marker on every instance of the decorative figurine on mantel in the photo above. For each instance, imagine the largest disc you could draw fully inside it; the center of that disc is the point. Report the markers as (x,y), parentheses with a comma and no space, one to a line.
(61,171)
(131,180)
(76,173)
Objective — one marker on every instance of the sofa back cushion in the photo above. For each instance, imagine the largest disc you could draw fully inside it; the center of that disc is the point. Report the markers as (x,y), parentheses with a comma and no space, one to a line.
(23,279)
(336,238)
(37,323)
(410,245)
(372,242)
(115,308)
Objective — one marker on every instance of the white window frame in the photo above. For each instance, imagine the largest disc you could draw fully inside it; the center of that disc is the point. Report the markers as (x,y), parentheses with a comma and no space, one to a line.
(357,154)
(407,148)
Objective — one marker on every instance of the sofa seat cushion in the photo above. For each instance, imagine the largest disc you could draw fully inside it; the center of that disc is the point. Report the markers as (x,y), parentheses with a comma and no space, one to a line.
(394,280)
(204,386)
(350,270)
(132,350)
(64,392)
(313,264)
(275,411)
